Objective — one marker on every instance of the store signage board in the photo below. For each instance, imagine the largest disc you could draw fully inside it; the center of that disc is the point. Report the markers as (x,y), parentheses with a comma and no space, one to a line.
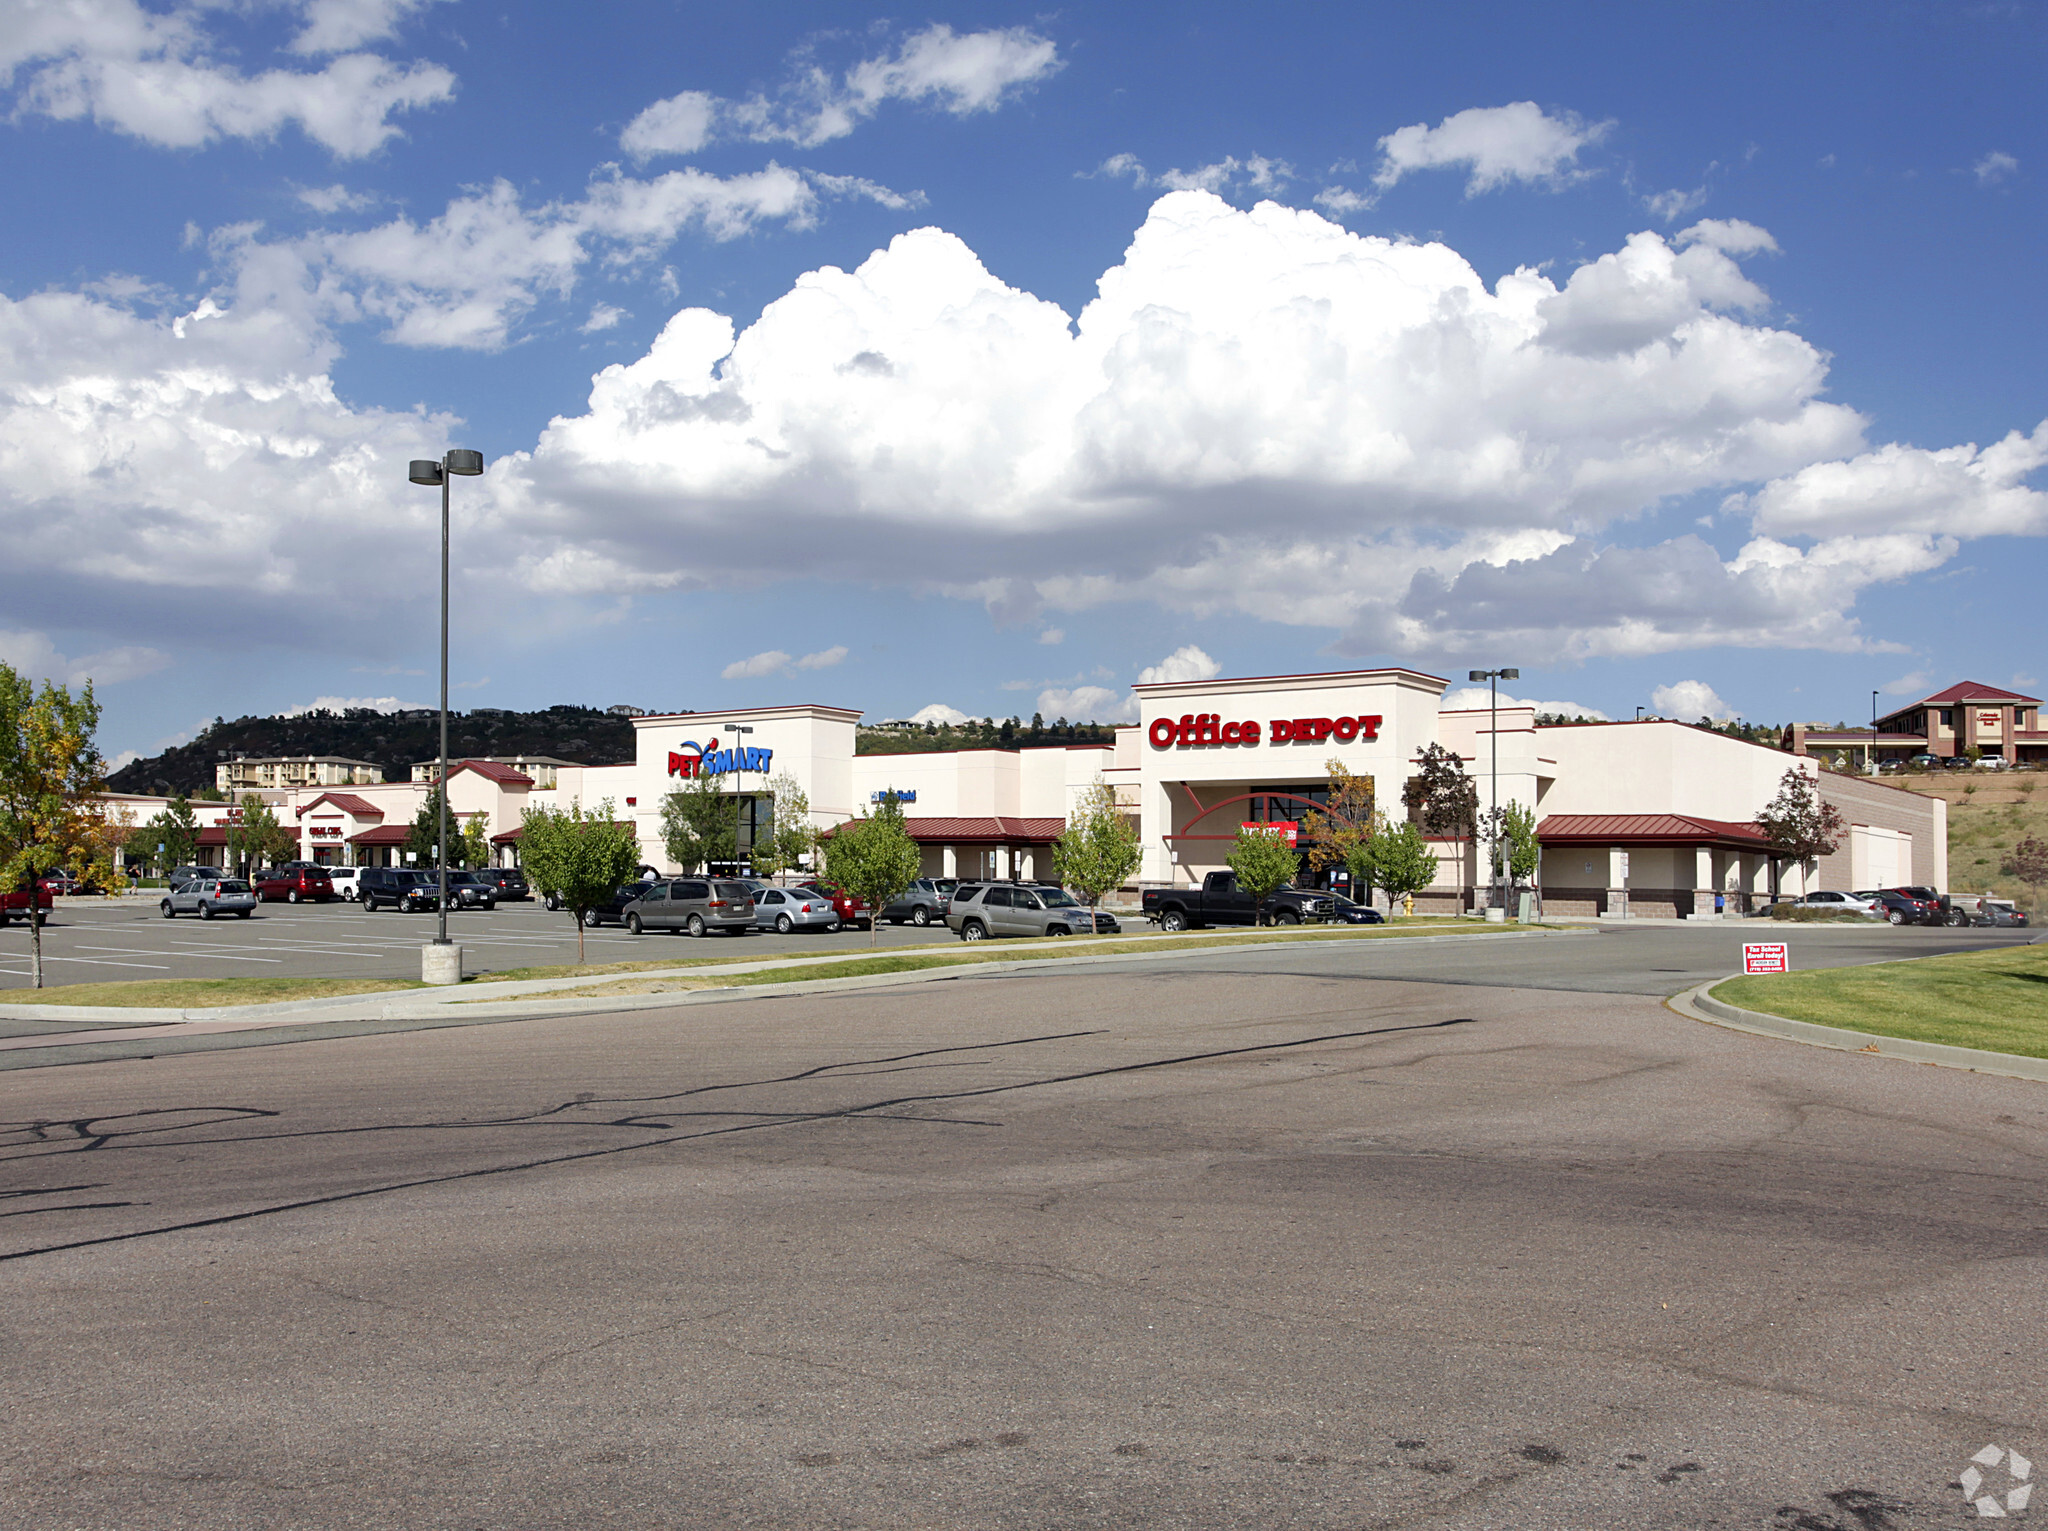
(1196,729)
(1766,957)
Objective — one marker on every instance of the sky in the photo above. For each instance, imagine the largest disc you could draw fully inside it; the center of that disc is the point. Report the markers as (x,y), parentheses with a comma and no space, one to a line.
(988,360)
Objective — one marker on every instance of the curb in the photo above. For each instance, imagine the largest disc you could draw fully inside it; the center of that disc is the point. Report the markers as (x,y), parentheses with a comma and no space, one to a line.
(1699,1004)
(533,998)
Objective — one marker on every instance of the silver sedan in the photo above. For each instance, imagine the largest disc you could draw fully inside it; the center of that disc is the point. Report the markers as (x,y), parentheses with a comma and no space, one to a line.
(209,897)
(785,909)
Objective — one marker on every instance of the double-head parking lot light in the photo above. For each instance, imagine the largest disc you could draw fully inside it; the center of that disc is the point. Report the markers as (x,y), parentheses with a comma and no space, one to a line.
(429,473)
(1493,678)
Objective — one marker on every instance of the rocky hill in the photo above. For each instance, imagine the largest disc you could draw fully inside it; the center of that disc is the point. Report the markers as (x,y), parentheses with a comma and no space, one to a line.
(391,740)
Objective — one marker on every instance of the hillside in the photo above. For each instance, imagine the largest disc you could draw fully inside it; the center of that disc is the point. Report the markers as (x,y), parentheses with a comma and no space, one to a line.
(985,734)
(1988,814)
(391,740)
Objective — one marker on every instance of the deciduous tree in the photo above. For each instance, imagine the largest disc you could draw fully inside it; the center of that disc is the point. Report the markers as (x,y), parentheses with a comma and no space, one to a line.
(1444,800)
(874,859)
(792,837)
(579,857)
(476,841)
(2028,861)
(1402,861)
(698,824)
(1262,861)
(1335,835)
(1798,824)
(51,775)
(1098,849)
(259,837)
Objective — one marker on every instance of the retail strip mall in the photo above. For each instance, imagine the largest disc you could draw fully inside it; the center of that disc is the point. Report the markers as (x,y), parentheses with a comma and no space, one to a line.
(1649,818)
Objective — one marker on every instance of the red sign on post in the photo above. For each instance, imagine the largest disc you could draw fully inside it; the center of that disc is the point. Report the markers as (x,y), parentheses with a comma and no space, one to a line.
(1766,957)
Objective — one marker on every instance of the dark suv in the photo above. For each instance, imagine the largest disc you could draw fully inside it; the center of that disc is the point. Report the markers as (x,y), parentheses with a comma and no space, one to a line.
(509,881)
(396,888)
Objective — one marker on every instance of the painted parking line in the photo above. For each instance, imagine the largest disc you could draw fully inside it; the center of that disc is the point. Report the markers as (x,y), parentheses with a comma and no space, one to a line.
(101,962)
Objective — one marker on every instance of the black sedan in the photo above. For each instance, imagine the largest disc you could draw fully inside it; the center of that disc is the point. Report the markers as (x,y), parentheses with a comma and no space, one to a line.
(613,910)
(1903,909)
(1346,911)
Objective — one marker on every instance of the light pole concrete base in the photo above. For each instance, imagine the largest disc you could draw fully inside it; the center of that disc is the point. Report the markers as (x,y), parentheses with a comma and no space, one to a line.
(441,964)
(1496,915)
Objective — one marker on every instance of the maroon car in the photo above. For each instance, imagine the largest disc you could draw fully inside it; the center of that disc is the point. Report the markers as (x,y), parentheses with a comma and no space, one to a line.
(852,911)
(16,903)
(295,885)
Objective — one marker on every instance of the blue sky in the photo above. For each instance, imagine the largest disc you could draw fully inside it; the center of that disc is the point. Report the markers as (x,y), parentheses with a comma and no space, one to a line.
(1684,357)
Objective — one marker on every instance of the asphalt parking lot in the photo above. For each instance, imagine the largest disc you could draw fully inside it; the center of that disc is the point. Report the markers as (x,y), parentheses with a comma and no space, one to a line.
(106,940)
(1244,1239)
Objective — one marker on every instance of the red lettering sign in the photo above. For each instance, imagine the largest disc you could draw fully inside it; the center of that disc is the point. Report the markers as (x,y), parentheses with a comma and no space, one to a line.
(1766,957)
(683,765)
(1194,729)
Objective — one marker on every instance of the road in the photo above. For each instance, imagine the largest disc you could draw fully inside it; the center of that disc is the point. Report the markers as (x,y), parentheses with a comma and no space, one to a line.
(1236,1240)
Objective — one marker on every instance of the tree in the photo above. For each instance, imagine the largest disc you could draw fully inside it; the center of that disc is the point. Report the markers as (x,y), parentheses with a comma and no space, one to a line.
(423,840)
(699,823)
(1262,861)
(2028,861)
(51,775)
(792,837)
(1402,860)
(176,830)
(1798,824)
(1336,834)
(874,859)
(1444,800)
(579,857)
(1511,843)
(1098,849)
(476,841)
(259,837)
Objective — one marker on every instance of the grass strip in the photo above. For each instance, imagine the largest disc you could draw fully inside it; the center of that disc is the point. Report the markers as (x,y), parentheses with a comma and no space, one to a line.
(202,993)
(1996,1001)
(919,960)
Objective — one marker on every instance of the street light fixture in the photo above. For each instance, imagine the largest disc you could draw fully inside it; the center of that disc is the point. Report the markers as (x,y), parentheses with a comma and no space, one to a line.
(1493,678)
(429,473)
(1873,733)
(739,808)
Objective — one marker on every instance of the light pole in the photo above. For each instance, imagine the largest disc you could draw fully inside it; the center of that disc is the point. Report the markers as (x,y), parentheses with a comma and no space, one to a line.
(1873,733)
(738,807)
(1493,678)
(428,472)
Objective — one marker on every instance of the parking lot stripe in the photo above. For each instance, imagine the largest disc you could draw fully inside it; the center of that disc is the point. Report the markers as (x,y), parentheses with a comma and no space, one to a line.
(101,962)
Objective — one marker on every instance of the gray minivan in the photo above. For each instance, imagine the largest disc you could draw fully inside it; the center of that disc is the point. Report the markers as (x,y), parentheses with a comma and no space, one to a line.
(980,910)
(694,904)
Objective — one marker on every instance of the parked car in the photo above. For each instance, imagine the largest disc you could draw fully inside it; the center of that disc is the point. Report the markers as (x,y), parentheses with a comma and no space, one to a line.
(1926,760)
(1993,763)
(193,874)
(466,890)
(210,896)
(1897,908)
(509,881)
(1349,911)
(60,883)
(296,884)
(983,909)
(2000,911)
(787,909)
(1837,903)
(398,888)
(698,905)
(1947,905)
(1219,901)
(923,902)
(851,911)
(613,910)
(17,903)
(343,881)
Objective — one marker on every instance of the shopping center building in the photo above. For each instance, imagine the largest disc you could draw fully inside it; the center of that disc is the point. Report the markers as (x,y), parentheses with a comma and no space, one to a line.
(1648,818)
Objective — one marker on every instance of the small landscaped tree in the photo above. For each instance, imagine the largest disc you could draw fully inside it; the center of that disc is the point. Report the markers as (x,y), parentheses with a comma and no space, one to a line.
(1798,824)
(874,859)
(51,776)
(793,837)
(1262,861)
(1402,861)
(1098,849)
(1444,800)
(2028,861)
(1335,835)
(176,830)
(1512,846)
(259,837)
(475,842)
(423,839)
(698,823)
(580,858)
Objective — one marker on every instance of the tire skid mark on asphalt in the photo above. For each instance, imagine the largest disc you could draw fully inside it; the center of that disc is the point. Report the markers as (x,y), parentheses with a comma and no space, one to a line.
(888,1109)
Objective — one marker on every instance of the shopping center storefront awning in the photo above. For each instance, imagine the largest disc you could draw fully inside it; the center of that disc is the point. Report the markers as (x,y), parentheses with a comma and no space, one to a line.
(1648,829)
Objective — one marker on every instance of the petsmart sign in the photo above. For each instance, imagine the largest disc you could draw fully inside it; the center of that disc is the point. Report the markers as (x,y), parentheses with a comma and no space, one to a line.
(695,759)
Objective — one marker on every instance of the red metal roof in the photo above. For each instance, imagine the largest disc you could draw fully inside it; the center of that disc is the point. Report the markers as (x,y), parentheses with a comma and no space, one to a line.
(1647,829)
(977,831)
(347,802)
(383,834)
(1967,691)
(509,836)
(504,775)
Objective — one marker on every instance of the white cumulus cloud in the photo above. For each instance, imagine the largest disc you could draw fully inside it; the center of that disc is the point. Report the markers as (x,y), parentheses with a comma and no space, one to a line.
(1088,704)
(1493,144)
(959,73)
(1474,698)
(35,656)
(939,712)
(1994,167)
(1958,491)
(776,662)
(336,26)
(1687,700)
(154,76)
(1185,663)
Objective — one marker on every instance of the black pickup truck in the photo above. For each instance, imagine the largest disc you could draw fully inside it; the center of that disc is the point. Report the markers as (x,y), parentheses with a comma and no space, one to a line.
(1219,901)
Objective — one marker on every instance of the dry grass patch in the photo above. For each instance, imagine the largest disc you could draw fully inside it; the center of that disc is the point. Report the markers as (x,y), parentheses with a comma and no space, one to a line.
(203,993)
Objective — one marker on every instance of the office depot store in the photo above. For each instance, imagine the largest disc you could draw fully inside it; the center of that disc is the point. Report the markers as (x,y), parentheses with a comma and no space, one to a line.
(1649,818)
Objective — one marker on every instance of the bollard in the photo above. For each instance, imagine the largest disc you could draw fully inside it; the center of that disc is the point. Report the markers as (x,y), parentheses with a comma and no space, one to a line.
(441,964)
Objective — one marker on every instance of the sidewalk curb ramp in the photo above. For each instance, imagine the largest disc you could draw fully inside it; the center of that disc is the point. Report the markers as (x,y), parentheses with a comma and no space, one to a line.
(1699,1004)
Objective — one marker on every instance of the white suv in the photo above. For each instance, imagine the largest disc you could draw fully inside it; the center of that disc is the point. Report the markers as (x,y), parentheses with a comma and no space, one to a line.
(344,880)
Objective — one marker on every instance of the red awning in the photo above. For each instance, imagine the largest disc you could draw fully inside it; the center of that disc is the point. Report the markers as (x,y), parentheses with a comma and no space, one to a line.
(383,834)
(1672,829)
(977,831)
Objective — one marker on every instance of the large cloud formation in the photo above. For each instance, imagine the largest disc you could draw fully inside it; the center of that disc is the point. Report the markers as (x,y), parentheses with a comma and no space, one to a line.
(1260,412)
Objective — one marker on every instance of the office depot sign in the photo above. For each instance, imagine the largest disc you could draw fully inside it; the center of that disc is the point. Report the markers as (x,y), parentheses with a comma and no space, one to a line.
(1199,729)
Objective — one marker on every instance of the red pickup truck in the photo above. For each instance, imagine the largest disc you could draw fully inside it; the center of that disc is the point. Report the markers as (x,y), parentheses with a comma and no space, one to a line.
(16,903)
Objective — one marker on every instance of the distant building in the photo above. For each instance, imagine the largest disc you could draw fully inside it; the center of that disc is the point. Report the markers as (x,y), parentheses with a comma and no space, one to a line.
(1949,723)
(278,771)
(626,710)
(543,769)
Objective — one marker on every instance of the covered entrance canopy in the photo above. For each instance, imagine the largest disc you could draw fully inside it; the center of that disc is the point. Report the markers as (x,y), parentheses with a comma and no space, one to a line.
(1652,864)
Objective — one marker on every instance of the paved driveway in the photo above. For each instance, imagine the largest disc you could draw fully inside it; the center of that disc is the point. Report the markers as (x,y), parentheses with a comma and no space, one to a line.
(1210,1245)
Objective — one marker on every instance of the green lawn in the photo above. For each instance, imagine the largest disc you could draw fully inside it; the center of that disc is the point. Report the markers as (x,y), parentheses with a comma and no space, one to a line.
(1997,1000)
(201,993)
